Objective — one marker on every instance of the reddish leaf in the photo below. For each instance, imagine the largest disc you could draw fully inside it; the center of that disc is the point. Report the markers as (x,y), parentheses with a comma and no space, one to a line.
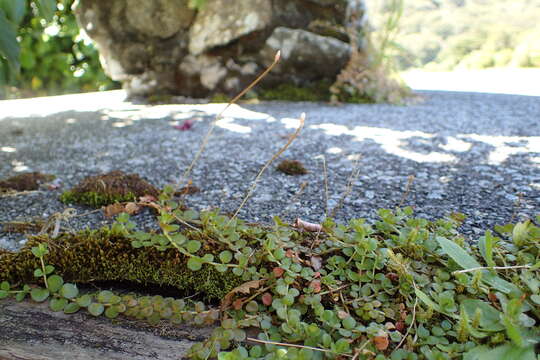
(400,326)
(237,304)
(493,298)
(278,272)
(267,299)
(392,276)
(315,285)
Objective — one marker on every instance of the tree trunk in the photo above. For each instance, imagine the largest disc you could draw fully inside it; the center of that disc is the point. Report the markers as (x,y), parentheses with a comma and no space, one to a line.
(31,331)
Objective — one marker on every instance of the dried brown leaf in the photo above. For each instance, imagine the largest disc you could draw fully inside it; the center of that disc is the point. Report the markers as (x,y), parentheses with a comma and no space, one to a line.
(244,288)
(132,208)
(147,199)
(381,341)
(113,210)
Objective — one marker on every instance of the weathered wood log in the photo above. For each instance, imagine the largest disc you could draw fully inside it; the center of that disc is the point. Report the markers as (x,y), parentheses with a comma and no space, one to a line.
(30,331)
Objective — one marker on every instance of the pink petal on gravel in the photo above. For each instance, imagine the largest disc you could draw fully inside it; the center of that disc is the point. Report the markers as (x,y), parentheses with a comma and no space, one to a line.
(186,125)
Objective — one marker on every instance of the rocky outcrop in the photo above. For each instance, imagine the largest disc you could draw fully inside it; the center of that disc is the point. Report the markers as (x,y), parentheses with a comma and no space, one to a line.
(305,55)
(164,46)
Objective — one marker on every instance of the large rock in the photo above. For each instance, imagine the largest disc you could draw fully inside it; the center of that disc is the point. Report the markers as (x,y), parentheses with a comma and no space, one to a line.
(234,19)
(164,46)
(161,18)
(305,55)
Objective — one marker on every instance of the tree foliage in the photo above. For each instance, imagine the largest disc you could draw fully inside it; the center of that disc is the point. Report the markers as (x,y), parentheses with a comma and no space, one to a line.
(42,51)
(450,34)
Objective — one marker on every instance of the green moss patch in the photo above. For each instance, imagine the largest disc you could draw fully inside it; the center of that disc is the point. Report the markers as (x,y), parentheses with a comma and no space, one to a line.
(109,188)
(25,182)
(102,255)
(319,91)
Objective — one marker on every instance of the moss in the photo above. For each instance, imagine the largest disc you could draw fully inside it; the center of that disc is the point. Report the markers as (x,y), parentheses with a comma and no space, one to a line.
(101,255)
(160,99)
(25,182)
(220,98)
(109,188)
(319,91)
(292,167)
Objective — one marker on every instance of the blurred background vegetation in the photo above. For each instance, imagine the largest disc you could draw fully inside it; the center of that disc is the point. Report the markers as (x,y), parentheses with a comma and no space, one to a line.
(440,35)
(54,57)
(446,35)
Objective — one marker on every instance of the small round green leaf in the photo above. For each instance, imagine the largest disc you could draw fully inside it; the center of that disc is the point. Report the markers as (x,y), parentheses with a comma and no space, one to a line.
(194,263)
(55,283)
(38,273)
(4,294)
(49,269)
(96,309)
(111,312)
(71,308)
(142,236)
(225,256)
(39,294)
(69,291)
(349,323)
(178,239)
(84,301)
(57,304)
(190,215)
(252,306)
(136,244)
(20,296)
(39,251)
(193,246)
(4,286)
(238,271)
(221,268)
(105,296)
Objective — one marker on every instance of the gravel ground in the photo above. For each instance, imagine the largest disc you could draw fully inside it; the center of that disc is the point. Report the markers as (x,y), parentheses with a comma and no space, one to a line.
(478,154)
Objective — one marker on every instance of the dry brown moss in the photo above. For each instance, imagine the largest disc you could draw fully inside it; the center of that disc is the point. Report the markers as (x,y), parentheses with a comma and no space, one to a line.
(25,181)
(115,186)
(292,167)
